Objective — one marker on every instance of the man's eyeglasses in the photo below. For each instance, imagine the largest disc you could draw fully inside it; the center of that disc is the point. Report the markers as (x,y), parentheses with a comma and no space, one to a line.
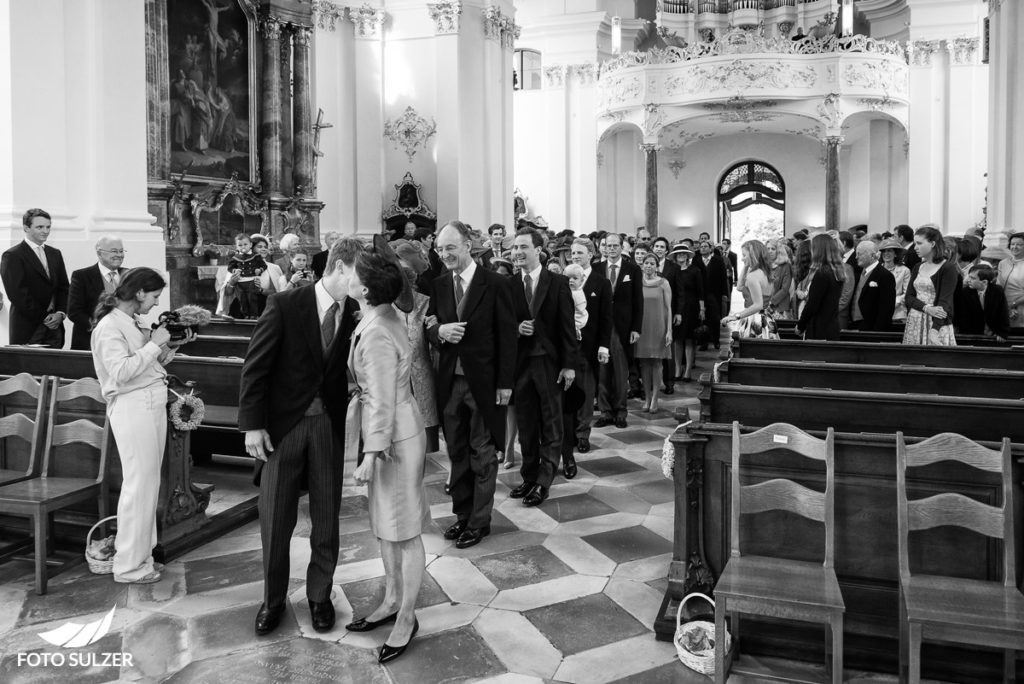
(115,252)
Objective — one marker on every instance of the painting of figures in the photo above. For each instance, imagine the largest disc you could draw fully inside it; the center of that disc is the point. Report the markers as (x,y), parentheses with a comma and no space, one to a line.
(209,44)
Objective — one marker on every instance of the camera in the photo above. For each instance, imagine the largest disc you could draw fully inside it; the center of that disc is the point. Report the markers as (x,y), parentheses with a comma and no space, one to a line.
(172,321)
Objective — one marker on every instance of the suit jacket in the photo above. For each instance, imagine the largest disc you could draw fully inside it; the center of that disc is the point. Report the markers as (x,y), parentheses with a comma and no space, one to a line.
(30,290)
(487,349)
(820,318)
(972,318)
(598,330)
(627,299)
(554,329)
(852,262)
(716,278)
(319,263)
(877,300)
(87,286)
(285,367)
(734,268)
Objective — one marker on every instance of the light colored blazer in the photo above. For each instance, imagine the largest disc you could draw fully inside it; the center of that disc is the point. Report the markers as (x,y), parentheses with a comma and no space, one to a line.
(381,363)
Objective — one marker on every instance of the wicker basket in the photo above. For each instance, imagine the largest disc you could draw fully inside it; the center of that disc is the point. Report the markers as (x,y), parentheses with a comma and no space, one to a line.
(704,661)
(98,567)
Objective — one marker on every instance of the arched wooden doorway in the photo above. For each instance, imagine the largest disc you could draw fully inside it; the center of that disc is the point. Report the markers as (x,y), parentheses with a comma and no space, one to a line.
(751,203)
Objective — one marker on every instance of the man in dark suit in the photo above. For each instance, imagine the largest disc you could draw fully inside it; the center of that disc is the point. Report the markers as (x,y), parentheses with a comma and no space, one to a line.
(905,234)
(37,285)
(89,284)
(874,299)
(716,288)
(669,269)
(982,308)
(292,403)
(319,261)
(627,317)
(732,271)
(496,233)
(595,342)
(545,364)
(476,341)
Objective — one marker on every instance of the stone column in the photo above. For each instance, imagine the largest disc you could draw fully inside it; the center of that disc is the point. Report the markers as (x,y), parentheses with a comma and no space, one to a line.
(158,96)
(302,130)
(270,108)
(651,188)
(1006,111)
(287,31)
(832,198)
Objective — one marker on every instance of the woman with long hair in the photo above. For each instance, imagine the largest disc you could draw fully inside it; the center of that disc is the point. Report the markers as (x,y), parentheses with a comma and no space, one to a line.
(782,280)
(931,293)
(393,455)
(819,319)
(129,360)
(655,343)
(756,290)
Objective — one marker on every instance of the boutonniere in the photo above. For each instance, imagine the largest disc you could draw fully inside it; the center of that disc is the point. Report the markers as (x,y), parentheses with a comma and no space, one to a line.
(593,294)
(625,279)
(873,284)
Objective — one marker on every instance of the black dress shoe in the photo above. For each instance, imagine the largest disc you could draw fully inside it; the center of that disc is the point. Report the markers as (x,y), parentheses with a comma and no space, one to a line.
(621,423)
(569,467)
(472,536)
(521,491)
(603,421)
(669,390)
(389,653)
(536,496)
(583,445)
(455,530)
(267,619)
(322,613)
(364,625)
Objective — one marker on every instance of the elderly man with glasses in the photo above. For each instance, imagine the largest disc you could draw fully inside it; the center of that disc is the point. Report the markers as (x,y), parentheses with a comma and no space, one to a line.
(91,283)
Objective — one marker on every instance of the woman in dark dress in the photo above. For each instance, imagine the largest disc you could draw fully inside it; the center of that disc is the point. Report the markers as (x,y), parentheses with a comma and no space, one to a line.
(688,309)
(820,317)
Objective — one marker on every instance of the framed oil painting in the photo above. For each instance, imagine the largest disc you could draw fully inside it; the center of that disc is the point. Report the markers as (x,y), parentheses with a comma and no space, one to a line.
(210,45)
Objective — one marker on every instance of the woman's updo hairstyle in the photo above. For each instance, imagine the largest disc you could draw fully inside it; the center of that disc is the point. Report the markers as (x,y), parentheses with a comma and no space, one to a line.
(381,277)
(140,278)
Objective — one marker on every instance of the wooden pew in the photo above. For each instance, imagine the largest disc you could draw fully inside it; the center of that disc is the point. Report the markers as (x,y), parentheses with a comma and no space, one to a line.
(953,382)
(216,346)
(865,542)
(228,327)
(880,353)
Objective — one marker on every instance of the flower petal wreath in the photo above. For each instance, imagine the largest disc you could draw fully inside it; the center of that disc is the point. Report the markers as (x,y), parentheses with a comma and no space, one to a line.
(194,407)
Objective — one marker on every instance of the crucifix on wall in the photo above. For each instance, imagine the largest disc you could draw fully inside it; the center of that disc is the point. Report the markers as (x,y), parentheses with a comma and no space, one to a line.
(317,153)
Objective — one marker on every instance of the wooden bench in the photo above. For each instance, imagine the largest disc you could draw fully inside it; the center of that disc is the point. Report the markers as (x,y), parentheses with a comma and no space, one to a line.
(866,544)
(228,327)
(952,382)
(216,346)
(880,353)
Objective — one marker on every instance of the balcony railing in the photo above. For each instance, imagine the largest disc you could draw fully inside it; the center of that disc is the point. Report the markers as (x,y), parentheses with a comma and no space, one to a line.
(676,6)
(775,4)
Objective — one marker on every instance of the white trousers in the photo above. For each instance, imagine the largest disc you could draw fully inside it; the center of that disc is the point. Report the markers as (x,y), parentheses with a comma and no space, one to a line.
(138,421)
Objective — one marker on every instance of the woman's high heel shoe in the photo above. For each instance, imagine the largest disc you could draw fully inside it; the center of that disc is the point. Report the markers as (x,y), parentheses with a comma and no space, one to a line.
(364,625)
(389,653)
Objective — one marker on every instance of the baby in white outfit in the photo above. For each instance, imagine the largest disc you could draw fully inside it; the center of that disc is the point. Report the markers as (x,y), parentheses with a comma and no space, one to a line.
(574,272)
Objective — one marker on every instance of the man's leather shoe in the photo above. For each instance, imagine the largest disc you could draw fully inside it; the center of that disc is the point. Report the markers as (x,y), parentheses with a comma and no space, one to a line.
(268,619)
(455,530)
(669,389)
(364,625)
(389,653)
(583,445)
(569,467)
(322,613)
(621,423)
(536,496)
(603,421)
(521,491)
(472,537)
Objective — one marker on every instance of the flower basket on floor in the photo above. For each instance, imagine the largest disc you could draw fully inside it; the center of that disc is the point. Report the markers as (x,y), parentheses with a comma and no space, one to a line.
(99,555)
(695,639)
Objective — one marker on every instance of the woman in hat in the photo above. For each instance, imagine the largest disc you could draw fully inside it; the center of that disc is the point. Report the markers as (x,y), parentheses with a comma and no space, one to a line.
(688,308)
(892,260)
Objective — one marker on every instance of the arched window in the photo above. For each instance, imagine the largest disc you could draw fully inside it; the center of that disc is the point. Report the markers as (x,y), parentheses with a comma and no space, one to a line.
(751,202)
(526,66)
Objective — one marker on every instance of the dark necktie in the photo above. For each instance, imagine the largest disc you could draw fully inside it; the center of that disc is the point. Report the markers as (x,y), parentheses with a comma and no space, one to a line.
(613,274)
(528,289)
(327,328)
(459,294)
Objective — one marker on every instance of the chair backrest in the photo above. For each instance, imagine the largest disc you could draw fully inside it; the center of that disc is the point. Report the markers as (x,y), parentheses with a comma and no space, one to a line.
(782,494)
(80,431)
(19,424)
(951,508)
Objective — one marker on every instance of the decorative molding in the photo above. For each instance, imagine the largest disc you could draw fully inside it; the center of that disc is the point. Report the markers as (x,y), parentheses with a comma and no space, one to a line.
(675,166)
(739,75)
(600,159)
(327,14)
(876,104)
(494,23)
(921,51)
(408,200)
(510,33)
(830,113)
(785,27)
(301,36)
(584,74)
(270,28)
(649,147)
(963,50)
(446,15)
(653,119)
(369,20)
(885,76)
(409,131)
(554,76)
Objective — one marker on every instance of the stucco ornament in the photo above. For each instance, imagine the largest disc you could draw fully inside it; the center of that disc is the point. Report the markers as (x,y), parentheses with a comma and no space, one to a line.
(409,131)
(963,50)
(675,166)
(740,75)
(653,119)
(554,76)
(446,15)
(368,20)
(327,14)
(884,76)
(829,111)
(921,51)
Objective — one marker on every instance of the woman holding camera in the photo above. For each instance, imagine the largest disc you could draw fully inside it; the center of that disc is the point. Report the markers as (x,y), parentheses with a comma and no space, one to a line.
(129,361)
(393,443)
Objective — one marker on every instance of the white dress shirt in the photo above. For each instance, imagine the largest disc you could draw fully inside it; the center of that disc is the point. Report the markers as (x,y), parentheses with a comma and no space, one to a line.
(534,277)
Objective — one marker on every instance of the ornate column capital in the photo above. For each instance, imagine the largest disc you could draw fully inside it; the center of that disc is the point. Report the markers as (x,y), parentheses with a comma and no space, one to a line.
(327,14)
(585,73)
(270,27)
(554,76)
(301,36)
(494,23)
(833,140)
(369,21)
(963,50)
(648,147)
(921,51)
(509,33)
(446,15)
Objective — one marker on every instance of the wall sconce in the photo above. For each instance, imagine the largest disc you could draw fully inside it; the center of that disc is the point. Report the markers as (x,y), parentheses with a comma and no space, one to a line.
(616,35)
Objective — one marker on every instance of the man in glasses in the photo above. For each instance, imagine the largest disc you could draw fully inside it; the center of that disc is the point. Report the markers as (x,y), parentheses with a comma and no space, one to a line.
(92,282)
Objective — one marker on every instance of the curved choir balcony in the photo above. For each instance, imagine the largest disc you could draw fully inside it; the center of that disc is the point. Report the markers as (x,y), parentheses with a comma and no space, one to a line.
(744,76)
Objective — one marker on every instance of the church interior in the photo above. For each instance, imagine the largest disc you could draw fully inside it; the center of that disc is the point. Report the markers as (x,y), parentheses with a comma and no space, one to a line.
(175,125)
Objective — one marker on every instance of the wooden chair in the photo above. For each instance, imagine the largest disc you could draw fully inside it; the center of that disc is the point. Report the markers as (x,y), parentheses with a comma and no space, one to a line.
(39,497)
(949,609)
(20,425)
(777,587)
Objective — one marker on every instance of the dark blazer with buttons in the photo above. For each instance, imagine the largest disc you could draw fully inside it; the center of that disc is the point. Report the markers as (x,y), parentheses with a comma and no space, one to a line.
(598,330)
(972,318)
(30,290)
(627,299)
(877,300)
(552,311)
(86,288)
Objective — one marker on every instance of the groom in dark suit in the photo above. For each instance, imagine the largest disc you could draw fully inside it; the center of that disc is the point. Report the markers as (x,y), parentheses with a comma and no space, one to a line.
(874,299)
(292,403)
(475,336)
(89,284)
(37,285)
